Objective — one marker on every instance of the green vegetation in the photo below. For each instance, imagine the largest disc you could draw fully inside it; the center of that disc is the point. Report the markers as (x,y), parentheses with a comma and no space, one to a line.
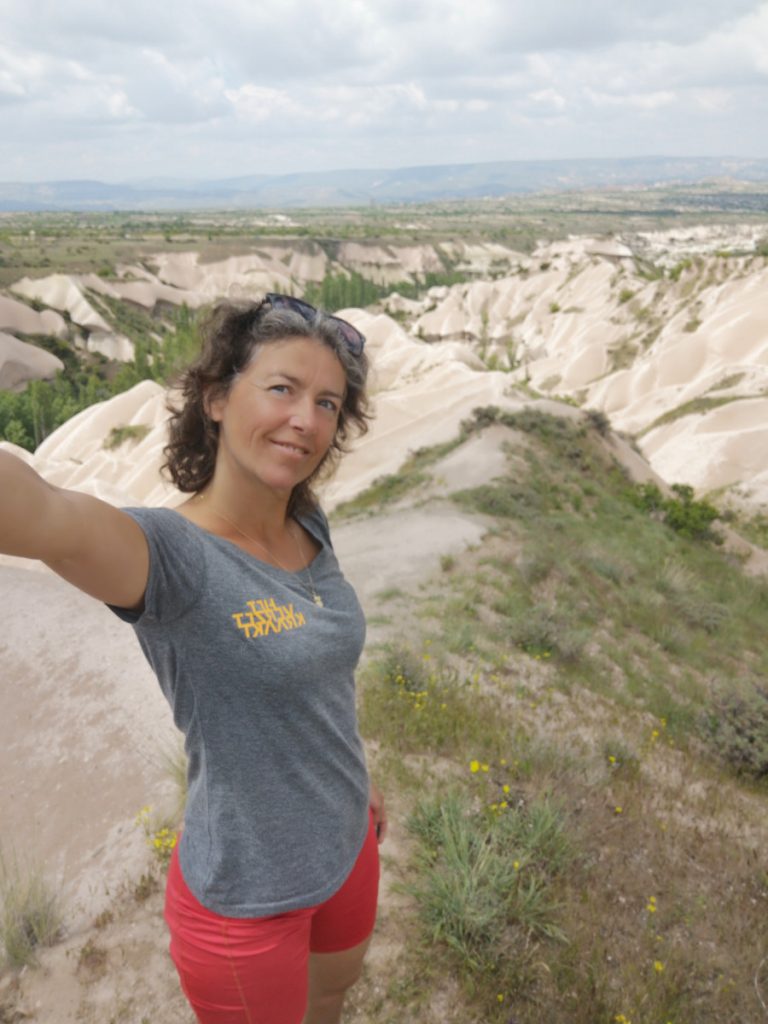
(679,269)
(573,723)
(576,704)
(118,436)
(754,528)
(696,405)
(161,836)
(386,490)
(483,886)
(338,291)
(29,416)
(683,513)
(30,913)
(738,726)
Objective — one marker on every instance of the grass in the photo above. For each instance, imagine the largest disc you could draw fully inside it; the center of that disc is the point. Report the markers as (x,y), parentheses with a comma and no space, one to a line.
(483,885)
(118,436)
(30,912)
(387,490)
(581,675)
(695,406)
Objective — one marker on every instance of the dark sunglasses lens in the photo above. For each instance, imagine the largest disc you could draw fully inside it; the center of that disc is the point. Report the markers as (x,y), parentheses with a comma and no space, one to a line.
(352,337)
(289,302)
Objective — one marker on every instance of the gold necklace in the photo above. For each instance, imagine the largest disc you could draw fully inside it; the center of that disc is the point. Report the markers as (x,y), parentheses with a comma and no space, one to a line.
(310,589)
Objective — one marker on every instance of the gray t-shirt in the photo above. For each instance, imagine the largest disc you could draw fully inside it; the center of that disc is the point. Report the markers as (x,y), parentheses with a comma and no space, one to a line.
(261,683)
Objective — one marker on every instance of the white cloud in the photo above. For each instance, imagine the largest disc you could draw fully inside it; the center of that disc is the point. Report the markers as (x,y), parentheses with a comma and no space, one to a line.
(549,98)
(120,107)
(258,103)
(210,85)
(631,100)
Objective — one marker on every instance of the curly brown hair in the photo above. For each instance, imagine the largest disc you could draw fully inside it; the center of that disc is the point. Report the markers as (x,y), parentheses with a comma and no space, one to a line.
(230,334)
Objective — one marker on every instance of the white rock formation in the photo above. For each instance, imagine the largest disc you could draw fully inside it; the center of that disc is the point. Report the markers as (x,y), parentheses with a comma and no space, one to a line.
(680,360)
(420,394)
(17,316)
(21,363)
(61,291)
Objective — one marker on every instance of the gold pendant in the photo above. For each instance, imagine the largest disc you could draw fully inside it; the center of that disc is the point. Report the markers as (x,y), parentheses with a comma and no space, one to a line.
(318,600)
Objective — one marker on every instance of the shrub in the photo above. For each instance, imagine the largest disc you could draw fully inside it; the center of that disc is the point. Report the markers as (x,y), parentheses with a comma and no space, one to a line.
(543,632)
(738,728)
(599,421)
(683,513)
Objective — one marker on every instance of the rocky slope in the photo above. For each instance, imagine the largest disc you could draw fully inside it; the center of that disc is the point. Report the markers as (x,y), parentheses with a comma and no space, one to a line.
(667,334)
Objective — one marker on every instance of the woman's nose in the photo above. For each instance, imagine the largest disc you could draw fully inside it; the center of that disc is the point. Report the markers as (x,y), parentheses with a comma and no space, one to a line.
(304,415)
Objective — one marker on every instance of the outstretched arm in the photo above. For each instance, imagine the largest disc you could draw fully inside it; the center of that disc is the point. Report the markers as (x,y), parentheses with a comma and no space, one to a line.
(94,546)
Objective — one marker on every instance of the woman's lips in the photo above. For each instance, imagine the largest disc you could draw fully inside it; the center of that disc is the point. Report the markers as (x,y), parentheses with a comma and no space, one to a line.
(294,449)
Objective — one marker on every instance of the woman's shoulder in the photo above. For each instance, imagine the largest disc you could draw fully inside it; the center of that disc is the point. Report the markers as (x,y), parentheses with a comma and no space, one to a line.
(177,563)
(316,521)
(163,522)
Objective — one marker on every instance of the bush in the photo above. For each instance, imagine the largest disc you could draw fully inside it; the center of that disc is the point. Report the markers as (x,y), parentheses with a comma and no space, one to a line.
(738,728)
(599,421)
(683,513)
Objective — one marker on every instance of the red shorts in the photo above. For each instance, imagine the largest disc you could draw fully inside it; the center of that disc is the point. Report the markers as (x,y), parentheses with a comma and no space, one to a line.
(254,970)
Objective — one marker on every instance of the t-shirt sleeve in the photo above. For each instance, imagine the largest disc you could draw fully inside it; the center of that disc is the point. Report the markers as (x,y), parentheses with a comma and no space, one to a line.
(319,525)
(177,566)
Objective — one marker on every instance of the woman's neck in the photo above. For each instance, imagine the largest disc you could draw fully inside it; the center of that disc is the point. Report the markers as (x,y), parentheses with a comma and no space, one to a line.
(258,512)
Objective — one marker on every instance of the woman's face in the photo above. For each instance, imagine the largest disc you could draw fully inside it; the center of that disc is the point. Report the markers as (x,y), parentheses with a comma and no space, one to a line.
(279,418)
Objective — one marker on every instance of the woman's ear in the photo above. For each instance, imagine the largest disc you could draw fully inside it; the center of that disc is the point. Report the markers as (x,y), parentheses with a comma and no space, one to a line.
(214,402)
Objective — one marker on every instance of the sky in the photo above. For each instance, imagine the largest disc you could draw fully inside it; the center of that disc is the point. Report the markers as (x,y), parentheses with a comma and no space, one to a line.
(206,89)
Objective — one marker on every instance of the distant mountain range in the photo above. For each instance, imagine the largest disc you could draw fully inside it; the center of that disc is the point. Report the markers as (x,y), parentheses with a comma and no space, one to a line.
(364,187)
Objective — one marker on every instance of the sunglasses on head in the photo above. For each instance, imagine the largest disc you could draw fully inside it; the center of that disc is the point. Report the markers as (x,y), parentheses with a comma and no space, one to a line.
(350,335)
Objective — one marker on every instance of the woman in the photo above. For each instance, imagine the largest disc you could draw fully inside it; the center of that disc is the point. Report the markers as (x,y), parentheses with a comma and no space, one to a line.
(240,608)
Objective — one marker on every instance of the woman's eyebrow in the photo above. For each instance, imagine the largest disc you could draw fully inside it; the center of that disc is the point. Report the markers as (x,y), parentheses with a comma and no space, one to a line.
(299,383)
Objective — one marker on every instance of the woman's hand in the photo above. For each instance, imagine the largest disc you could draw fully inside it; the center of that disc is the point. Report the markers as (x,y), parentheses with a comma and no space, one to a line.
(376,801)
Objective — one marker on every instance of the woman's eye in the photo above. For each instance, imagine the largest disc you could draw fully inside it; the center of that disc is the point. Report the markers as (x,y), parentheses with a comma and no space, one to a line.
(280,389)
(329,404)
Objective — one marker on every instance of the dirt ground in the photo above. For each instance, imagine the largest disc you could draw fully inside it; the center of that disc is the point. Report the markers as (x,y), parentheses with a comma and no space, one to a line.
(83,735)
